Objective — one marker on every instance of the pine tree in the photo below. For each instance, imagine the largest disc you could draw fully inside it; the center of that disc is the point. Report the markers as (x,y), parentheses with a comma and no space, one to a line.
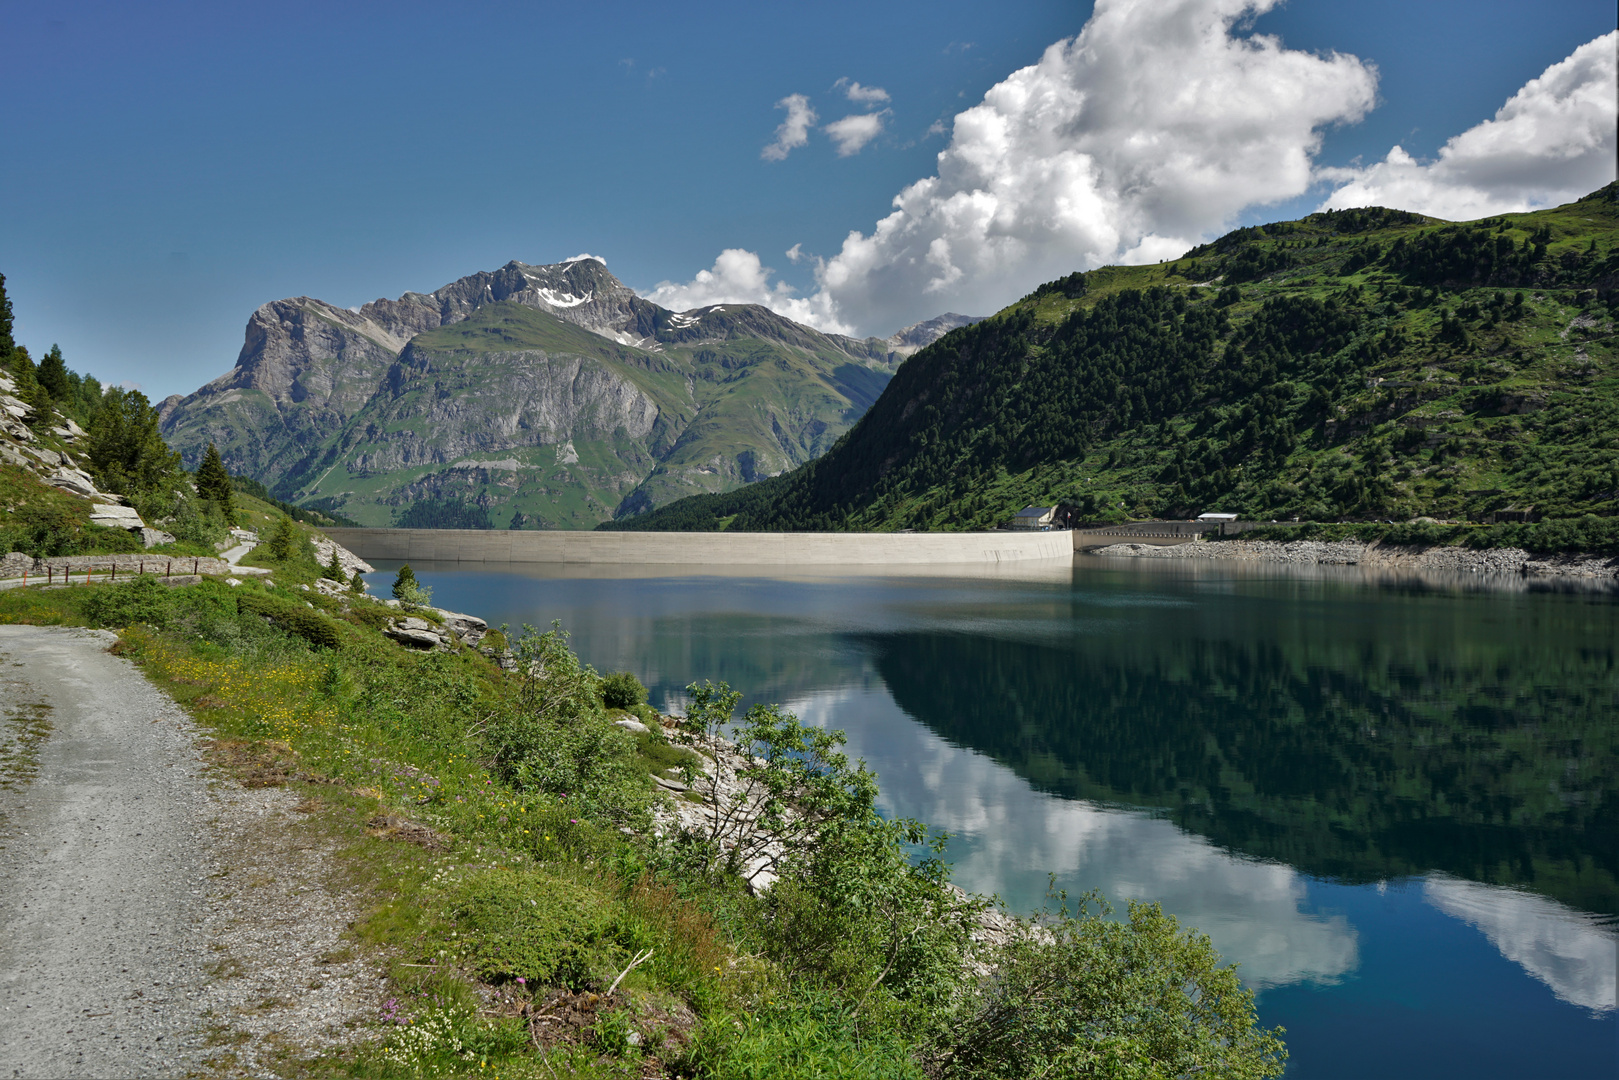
(126,451)
(214,483)
(7,342)
(334,569)
(52,375)
(284,541)
(404,582)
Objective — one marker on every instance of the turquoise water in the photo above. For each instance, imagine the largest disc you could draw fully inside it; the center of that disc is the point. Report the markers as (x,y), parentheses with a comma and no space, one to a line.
(1395,802)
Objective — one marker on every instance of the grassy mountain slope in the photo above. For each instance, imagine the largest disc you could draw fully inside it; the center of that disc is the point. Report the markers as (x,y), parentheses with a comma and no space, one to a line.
(515,414)
(1362,364)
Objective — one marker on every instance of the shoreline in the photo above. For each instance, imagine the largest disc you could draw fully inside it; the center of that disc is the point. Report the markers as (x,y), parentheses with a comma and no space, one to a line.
(1442,558)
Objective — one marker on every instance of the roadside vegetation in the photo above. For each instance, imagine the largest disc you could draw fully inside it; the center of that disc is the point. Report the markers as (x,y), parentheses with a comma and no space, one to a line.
(542,910)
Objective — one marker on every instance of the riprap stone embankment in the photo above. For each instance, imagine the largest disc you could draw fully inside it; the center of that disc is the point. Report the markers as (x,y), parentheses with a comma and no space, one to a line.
(1444,559)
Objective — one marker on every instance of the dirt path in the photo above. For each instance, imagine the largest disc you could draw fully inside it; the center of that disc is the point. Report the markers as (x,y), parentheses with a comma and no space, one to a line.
(154,921)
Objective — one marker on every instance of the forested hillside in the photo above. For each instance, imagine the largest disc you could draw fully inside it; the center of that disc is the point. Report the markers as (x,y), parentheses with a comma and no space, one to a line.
(1364,364)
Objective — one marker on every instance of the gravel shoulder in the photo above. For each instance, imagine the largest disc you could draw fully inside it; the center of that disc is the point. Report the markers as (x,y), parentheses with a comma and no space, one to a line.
(158,919)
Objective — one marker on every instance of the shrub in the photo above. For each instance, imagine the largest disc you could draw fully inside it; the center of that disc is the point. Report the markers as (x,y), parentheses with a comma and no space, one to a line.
(1095,997)
(854,914)
(313,627)
(516,924)
(143,600)
(40,531)
(371,616)
(551,734)
(197,521)
(291,617)
(622,690)
(809,1037)
(410,592)
(797,786)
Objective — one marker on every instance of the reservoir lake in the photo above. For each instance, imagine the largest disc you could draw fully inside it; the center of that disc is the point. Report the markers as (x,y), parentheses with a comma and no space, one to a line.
(1393,800)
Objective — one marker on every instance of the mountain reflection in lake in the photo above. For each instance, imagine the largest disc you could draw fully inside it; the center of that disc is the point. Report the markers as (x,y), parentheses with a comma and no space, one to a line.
(1393,802)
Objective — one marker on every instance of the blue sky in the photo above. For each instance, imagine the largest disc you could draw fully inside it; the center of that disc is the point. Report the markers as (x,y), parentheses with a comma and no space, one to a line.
(172,166)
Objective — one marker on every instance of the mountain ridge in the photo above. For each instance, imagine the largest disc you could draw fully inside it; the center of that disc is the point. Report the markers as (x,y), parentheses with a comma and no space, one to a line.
(300,409)
(1366,364)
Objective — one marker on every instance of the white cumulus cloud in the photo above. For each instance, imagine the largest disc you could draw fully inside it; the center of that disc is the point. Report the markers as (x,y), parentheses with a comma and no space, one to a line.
(854,131)
(1552,142)
(1151,129)
(864,95)
(794,131)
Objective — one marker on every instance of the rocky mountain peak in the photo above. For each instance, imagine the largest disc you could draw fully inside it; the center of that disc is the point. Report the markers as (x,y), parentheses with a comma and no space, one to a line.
(318,388)
(919,336)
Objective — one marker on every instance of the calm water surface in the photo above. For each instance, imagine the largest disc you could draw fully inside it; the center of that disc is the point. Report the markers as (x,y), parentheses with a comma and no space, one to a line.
(1394,802)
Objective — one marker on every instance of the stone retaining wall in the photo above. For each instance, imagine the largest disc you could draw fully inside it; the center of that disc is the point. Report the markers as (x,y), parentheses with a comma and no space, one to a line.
(15,564)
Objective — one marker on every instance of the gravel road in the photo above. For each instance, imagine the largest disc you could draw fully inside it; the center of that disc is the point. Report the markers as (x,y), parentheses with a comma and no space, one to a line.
(102,894)
(151,914)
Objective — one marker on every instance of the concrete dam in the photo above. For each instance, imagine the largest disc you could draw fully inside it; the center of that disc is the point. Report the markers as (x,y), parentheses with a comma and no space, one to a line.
(692,548)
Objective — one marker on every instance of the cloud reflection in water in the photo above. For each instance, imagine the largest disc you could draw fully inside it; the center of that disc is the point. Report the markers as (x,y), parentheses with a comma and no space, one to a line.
(1570,951)
(1008,838)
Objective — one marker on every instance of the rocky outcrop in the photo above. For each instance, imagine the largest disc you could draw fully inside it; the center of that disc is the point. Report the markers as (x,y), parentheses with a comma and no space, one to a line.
(19,446)
(350,562)
(445,630)
(915,338)
(448,407)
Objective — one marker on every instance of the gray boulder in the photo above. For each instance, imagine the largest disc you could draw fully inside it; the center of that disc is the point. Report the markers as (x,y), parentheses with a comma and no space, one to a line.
(113,516)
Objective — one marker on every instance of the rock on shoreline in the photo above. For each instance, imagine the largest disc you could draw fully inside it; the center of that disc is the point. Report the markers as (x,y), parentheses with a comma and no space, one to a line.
(1464,560)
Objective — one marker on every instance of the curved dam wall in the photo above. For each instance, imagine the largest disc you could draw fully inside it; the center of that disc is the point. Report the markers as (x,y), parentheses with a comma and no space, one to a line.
(752,549)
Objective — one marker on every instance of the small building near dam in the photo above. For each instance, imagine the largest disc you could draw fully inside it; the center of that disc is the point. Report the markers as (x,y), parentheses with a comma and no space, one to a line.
(1035,518)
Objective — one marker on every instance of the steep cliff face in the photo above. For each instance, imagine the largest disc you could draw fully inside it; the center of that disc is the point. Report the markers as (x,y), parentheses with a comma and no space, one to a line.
(551,392)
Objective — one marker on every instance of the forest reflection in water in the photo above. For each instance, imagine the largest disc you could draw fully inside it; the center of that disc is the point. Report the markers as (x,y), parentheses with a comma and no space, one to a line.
(1244,744)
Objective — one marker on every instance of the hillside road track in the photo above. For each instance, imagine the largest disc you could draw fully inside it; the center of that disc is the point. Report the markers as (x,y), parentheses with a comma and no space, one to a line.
(102,878)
